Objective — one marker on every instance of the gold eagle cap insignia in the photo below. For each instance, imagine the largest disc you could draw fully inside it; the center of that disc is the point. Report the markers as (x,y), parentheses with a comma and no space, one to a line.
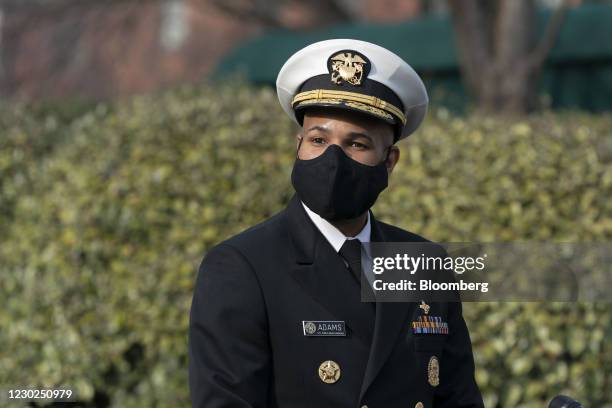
(348,66)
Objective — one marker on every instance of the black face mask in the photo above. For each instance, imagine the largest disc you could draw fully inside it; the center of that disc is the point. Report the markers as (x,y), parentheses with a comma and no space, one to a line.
(337,187)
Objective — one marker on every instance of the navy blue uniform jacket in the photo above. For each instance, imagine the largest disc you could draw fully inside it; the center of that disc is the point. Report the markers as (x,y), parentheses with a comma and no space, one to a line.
(247,347)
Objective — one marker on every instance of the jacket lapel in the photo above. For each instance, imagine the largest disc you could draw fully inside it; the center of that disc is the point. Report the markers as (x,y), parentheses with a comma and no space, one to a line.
(390,319)
(320,271)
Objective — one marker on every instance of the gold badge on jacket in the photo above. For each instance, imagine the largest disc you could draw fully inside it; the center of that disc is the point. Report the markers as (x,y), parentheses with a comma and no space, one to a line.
(329,372)
(433,371)
(424,306)
(348,66)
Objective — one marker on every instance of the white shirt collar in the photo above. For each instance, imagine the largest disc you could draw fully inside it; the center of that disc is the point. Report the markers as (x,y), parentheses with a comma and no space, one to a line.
(335,237)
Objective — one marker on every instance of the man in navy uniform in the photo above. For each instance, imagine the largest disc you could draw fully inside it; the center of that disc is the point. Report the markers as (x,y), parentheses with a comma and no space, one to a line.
(277,318)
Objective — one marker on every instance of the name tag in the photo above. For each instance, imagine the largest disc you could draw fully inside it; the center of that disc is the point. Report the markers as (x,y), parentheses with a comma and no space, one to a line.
(323,328)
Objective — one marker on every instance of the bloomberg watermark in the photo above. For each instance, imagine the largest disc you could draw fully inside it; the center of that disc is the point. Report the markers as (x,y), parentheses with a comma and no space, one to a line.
(523,271)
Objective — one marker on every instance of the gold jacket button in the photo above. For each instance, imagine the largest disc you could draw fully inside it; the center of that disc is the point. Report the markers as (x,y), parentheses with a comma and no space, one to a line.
(419,405)
(433,371)
(329,372)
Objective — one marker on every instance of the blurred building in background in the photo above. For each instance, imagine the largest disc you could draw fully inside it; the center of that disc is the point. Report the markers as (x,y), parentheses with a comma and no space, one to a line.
(100,49)
(91,49)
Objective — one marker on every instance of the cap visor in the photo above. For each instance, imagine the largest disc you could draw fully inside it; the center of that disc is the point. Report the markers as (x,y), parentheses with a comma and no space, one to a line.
(346,105)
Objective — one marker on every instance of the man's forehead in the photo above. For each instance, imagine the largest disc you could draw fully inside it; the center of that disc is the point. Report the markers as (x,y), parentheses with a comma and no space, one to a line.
(326,119)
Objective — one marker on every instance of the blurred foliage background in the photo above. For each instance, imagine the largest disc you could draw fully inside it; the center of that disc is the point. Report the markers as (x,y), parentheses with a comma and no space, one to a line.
(106,211)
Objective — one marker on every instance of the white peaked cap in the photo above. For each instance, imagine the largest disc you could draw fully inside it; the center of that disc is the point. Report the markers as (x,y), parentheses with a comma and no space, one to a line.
(355,75)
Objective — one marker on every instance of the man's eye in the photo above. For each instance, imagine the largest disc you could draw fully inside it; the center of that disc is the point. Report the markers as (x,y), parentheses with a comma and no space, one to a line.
(317,140)
(358,145)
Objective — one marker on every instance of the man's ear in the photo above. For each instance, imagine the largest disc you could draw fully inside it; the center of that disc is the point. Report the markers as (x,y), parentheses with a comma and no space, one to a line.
(392,158)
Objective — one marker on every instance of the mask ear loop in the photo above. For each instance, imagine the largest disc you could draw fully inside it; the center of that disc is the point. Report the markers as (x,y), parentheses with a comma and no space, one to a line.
(388,153)
(297,153)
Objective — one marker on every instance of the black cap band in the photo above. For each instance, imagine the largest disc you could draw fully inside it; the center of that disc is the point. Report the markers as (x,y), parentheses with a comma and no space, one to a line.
(370,97)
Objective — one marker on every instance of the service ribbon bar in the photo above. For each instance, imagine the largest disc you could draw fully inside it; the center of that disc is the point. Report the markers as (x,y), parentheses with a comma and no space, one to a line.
(429,325)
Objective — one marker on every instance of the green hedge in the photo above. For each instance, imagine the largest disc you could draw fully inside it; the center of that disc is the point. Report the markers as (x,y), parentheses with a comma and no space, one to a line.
(106,214)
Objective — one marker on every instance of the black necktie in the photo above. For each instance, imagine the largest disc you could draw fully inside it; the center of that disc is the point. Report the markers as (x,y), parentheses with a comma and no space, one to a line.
(351,252)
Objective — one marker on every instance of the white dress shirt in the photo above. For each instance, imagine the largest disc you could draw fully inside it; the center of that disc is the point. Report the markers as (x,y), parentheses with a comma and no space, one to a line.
(333,235)
(336,239)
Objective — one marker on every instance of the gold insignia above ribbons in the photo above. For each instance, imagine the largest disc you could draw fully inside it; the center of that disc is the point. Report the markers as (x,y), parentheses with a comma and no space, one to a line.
(424,306)
(348,66)
(329,372)
(433,371)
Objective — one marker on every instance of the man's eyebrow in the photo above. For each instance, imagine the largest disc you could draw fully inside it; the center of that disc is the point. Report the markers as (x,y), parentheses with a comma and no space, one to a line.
(361,134)
(318,127)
